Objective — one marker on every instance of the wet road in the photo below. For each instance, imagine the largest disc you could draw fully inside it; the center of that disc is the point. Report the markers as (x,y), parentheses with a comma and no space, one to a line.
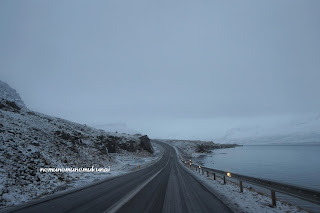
(163,187)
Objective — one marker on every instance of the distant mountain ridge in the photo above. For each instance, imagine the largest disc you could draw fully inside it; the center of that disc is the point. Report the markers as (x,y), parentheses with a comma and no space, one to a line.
(309,138)
(10,94)
(116,127)
(300,131)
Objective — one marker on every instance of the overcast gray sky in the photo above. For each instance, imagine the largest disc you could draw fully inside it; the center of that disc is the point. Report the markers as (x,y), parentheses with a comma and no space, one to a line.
(172,68)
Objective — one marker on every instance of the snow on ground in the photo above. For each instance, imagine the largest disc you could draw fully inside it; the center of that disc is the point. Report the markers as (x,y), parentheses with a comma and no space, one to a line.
(126,162)
(249,201)
(187,147)
(30,141)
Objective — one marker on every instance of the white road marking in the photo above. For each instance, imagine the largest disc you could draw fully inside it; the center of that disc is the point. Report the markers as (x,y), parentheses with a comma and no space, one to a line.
(115,207)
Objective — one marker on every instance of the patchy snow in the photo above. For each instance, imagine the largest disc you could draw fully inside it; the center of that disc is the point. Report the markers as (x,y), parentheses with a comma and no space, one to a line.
(248,201)
(30,141)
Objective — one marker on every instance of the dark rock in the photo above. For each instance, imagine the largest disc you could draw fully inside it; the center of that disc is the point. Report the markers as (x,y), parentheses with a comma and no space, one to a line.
(101,137)
(9,106)
(31,113)
(112,146)
(68,137)
(129,146)
(204,148)
(35,144)
(146,144)
(207,147)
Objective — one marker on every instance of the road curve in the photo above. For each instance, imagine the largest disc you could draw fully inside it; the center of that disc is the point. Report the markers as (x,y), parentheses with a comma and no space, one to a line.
(163,187)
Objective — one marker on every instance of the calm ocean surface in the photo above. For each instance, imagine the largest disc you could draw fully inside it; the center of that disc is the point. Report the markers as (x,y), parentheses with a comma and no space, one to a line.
(296,165)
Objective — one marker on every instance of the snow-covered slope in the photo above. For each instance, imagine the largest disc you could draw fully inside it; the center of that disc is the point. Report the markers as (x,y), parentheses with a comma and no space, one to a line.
(10,94)
(299,131)
(30,141)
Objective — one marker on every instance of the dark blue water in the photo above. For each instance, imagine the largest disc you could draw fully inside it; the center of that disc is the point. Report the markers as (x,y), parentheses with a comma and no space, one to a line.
(296,165)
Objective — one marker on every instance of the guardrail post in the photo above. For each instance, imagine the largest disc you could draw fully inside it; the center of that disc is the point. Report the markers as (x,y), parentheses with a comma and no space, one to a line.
(273,198)
(290,190)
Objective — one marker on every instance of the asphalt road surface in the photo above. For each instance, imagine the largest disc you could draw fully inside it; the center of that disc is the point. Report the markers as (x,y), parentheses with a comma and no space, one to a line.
(163,187)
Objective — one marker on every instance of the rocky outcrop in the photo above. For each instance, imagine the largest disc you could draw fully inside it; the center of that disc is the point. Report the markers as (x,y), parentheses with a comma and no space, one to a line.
(115,144)
(10,94)
(9,106)
(207,147)
(188,147)
(145,143)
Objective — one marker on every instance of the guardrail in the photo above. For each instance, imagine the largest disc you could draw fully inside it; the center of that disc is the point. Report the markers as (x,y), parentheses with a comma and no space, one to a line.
(294,191)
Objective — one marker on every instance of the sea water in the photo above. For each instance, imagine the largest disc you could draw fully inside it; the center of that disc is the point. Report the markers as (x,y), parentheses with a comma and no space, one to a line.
(291,164)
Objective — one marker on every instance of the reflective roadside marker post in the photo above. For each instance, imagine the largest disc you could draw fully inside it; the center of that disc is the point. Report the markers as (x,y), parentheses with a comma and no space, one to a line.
(241,187)
(214,176)
(273,198)
(224,179)
(207,174)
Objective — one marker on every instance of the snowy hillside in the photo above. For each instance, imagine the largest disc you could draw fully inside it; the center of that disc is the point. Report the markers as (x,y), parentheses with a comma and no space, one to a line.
(30,141)
(305,130)
(10,94)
